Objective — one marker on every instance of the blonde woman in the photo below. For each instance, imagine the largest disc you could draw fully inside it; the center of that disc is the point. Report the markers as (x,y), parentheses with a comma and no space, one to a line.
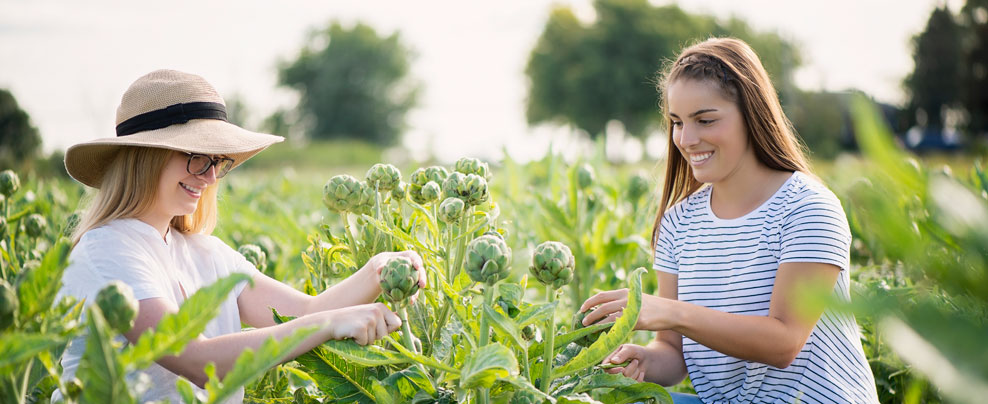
(149,224)
(742,225)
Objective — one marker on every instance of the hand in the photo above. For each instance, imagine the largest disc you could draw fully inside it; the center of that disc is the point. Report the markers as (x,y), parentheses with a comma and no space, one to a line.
(640,360)
(655,314)
(377,262)
(363,323)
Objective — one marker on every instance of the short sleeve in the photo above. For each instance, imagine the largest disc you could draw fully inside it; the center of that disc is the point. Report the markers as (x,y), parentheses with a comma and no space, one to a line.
(234,261)
(816,230)
(665,250)
(103,256)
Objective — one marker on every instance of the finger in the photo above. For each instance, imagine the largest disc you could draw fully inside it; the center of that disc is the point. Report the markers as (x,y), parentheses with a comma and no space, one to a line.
(392,320)
(641,376)
(614,371)
(631,370)
(381,327)
(604,310)
(603,297)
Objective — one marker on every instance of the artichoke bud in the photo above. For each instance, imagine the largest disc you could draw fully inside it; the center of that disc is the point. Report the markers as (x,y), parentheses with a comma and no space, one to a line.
(255,255)
(436,174)
(431,192)
(35,225)
(8,305)
(386,176)
(116,301)
(488,260)
(367,199)
(398,193)
(529,332)
(588,339)
(473,190)
(585,176)
(451,210)
(451,185)
(552,264)
(468,165)
(9,183)
(637,186)
(399,280)
(342,193)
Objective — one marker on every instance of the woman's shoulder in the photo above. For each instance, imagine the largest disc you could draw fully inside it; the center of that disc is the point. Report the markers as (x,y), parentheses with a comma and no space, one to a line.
(806,189)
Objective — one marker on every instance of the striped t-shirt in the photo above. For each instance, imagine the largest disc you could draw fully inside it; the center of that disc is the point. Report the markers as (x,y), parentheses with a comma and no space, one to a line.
(730,265)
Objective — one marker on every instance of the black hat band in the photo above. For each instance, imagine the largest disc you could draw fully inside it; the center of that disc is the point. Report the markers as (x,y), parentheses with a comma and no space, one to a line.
(171,115)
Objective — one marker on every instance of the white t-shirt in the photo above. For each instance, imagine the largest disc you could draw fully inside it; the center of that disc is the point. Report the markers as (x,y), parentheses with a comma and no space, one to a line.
(730,265)
(133,252)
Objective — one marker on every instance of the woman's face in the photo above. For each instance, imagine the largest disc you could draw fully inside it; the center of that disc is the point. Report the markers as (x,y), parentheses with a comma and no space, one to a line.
(179,191)
(708,130)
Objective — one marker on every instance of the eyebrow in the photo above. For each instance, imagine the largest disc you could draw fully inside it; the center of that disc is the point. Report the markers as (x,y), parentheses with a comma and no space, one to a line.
(695,113)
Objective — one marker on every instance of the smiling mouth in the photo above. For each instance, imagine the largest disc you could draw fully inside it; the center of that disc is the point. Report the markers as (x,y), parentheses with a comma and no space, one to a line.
(698,158)
(192,190)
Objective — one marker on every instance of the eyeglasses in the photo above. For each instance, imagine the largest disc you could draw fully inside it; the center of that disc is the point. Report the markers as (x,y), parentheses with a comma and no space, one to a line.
(200,163)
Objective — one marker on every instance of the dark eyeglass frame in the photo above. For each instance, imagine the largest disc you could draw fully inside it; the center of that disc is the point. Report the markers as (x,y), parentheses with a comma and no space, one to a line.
(218,162)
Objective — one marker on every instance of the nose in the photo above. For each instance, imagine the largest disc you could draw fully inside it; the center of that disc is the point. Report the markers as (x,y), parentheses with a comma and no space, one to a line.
(209,176)
(687,137)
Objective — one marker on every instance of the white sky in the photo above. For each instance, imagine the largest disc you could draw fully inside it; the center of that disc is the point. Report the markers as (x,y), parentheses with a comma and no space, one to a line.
(68,62)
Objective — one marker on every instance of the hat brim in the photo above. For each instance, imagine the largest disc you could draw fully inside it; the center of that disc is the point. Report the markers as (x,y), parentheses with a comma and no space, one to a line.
(87,162)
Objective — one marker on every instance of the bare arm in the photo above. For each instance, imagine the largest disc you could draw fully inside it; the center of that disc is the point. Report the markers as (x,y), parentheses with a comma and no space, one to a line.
(775,339)
(363,323)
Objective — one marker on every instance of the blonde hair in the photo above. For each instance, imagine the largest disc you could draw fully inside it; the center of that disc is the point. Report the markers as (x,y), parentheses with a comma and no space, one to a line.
(129,188)
(737,71)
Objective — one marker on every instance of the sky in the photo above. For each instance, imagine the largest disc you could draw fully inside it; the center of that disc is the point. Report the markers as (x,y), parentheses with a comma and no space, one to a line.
(68,62)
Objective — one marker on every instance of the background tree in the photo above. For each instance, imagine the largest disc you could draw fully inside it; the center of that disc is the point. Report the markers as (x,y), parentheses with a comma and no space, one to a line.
(935,82)
(974,25)
(587,75)
(19,139)
(352,83)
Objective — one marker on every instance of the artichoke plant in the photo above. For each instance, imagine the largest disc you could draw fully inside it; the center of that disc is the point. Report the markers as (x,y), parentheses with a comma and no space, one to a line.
(385,176)
(471,188)
(8,305)
(585,176)
(9,183)
(552,264)
(35,225)
(116,301)
(451,185)
(421,177)
(430,193)
(255,255)
(637,187)
(488,260)
(342,193)
(451,210)
(367,200)
(586,340)
(469,165)
(399,280)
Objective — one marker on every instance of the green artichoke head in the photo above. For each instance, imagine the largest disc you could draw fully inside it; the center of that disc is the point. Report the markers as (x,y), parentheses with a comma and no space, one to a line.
(451,210)
(35,225)
(342,193)
(398,192)
(451,185)
(637,186)
(431,192)
(436,174)
(421,178)
(385,176)
(367,200)
(399,280)
(552,264)
(116,301)
(9,183)
(255,255)
(469,165)
(585,176)
(8,305)
(529,332)
(473,190)
(488,260)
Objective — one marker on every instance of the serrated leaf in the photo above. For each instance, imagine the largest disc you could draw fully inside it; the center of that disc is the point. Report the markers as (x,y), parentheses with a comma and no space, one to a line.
(424,360)
(175,330)
(37,288)
(617,335)
(505,327)
(338,378)
(18,347)
(635,393)
(100,368)
(252,364)
(370,355)
(562,340)
(486,365)
(536,313)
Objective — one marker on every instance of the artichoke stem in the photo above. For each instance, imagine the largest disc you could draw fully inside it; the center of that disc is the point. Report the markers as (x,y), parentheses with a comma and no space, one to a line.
(406,330)
(548,352)
(484,327)
(349,233)
(461,249)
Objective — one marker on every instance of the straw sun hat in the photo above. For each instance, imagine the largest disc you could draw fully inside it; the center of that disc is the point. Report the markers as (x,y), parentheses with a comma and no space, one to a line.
(171,110)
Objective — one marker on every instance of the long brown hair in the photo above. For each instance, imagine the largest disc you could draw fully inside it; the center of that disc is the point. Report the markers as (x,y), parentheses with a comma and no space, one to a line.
(737,71)
(128,190)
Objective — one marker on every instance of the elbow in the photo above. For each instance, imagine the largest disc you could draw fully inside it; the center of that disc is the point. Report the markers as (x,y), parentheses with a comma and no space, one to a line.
(785,357)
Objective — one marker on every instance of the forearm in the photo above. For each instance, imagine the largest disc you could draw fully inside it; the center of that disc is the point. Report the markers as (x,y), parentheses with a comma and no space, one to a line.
(359,288)
(668,367)
(761,339)
(225,349)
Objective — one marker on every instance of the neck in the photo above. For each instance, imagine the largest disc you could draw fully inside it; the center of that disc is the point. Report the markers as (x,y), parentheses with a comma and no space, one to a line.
(159,222)
(746,189)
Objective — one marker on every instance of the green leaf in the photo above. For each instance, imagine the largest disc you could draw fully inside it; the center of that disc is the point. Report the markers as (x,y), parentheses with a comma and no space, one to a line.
(637,392)
(617,335)
(252,364)
(17,348)
(186,391)
(525,385)
(505,327)
(37,288)
(562,340)
(425,360)
(100,368)
(486,365)
(338,378)
(536,313)
(581,398)
(175,330)
(370,355)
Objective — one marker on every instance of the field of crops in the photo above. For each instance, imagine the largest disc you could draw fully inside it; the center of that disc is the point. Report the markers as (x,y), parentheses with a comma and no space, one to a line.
(495,325)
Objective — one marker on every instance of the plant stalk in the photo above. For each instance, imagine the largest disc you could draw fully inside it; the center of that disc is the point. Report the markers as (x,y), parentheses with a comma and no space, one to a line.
(549,351)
